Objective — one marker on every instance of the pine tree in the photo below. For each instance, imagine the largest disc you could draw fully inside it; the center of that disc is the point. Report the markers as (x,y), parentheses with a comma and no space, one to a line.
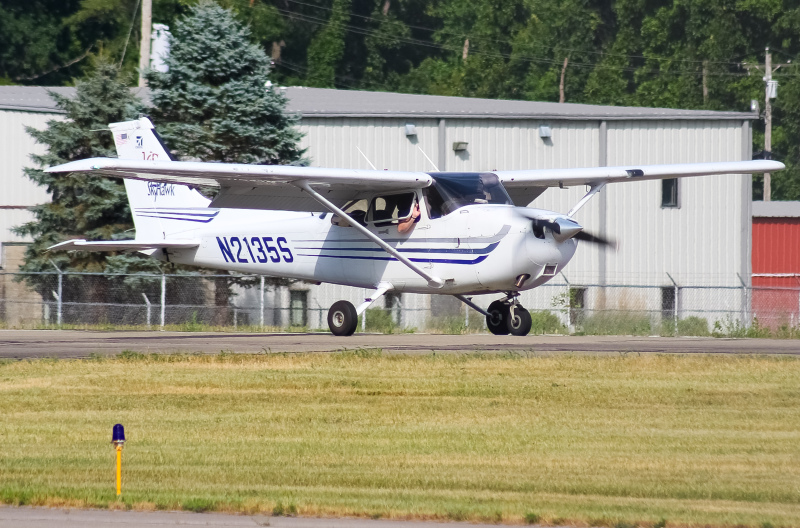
(215,103)
(82,206)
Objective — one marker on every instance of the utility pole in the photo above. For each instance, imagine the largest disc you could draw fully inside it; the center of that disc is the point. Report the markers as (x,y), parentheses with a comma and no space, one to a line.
(770,93)
(144,49)
(767,122)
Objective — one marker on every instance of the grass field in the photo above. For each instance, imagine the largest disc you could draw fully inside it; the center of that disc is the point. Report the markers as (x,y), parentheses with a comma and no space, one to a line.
(611,441)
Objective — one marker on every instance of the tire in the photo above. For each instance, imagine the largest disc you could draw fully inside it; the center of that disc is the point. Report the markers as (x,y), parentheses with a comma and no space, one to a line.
(520,323)
(342,318)
(497,319)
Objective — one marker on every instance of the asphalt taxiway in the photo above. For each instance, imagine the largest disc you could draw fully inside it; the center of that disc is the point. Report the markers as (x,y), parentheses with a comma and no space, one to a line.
(25,344)
(25,517)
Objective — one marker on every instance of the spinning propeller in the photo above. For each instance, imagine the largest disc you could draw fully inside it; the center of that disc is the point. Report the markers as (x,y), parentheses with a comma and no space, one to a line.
(563,227)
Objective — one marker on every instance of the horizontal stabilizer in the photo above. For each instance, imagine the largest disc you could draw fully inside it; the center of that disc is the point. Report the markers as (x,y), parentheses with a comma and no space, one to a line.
(122,245)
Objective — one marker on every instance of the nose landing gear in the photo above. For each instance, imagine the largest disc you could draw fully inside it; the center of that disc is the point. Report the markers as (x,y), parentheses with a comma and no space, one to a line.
(508,316)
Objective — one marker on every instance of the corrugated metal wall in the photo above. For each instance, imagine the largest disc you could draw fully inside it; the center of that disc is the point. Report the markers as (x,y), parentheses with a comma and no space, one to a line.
(15,150)
(335,143)
(776,251)
(776,248)
(698,242)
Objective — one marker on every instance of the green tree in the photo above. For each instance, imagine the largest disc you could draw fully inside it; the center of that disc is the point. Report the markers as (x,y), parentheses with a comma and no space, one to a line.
(327,49)
(214,103)
(82,206)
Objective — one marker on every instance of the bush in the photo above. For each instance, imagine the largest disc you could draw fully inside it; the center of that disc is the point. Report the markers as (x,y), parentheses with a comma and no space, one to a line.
(693,326)
(546,322)
(532,518)
(380,320)
(454,324)
(617,323)
(733,328)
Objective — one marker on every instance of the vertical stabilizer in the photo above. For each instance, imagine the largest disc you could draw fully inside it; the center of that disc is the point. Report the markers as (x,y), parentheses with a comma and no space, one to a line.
(159,209)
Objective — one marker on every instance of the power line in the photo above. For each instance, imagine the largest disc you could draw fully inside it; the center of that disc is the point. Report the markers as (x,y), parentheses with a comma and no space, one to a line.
(527,58)
(501,41)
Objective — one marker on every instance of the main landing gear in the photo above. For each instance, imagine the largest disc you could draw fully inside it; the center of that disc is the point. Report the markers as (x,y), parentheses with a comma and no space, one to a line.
(508,317)
(342,318)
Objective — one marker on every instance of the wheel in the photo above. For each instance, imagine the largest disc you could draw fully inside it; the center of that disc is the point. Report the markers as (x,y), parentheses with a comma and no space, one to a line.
(520,323)
(496,321)
(342,318)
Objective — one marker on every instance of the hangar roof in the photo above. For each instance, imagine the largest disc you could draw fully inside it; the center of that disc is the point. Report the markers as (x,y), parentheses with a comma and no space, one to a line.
(321,102)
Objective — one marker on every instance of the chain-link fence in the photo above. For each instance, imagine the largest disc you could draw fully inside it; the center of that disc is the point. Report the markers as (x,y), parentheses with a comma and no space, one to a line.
(198,302)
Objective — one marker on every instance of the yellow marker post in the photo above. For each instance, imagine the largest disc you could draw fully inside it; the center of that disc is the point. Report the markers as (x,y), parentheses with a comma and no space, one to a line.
(119,470)
(118,439)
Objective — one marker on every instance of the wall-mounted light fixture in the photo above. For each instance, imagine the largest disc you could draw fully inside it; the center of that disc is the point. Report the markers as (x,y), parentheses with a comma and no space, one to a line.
(459,146)
(411,130)
(545,132)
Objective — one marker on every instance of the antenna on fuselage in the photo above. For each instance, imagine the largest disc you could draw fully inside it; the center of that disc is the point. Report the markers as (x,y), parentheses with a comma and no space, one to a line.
(429,160)
(366,158)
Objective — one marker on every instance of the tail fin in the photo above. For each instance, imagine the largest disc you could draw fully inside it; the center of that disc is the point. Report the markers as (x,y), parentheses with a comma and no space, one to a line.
(159,209)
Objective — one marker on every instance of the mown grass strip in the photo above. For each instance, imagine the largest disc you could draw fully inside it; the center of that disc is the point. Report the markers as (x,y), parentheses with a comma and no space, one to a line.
(700,440)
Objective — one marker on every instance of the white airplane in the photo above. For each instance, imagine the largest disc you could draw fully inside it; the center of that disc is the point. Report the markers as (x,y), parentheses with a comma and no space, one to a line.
(445,233)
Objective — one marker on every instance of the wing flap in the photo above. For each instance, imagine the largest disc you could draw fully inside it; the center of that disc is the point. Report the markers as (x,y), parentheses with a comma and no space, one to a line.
(122,245)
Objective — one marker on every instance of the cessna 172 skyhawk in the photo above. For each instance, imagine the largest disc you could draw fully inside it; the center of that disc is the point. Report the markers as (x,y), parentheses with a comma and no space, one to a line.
(440,233)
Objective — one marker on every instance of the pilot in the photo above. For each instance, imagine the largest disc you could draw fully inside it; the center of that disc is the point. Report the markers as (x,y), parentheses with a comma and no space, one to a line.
(404,226)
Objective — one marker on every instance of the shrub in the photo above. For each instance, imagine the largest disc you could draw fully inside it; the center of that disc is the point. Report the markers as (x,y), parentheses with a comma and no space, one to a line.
(617,323)
(546,322)
(380,320)
(693,326)
(532,518)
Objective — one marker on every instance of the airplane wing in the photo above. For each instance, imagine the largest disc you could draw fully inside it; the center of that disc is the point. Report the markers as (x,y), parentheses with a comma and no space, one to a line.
(123,245)
(525,185)
(278,187)
(255,186)
(595,175)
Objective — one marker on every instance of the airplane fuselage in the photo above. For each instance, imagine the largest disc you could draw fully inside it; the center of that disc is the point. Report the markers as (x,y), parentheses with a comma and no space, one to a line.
(475,249)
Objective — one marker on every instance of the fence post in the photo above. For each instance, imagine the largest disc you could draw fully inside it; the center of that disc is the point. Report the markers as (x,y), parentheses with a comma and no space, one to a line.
(745,304)
(147,302)
(58,297)
(163,299)
(675,303)
(466,317)
(570,326)
(261,320)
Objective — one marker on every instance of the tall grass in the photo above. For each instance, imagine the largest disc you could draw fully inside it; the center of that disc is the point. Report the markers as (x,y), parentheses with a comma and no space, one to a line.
(593,440)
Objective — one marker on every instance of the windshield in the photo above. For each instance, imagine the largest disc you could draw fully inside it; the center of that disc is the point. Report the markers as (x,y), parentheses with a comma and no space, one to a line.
(460,189)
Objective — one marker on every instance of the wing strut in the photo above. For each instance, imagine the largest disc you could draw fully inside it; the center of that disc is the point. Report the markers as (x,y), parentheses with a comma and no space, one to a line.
(433,282)
(592,191)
